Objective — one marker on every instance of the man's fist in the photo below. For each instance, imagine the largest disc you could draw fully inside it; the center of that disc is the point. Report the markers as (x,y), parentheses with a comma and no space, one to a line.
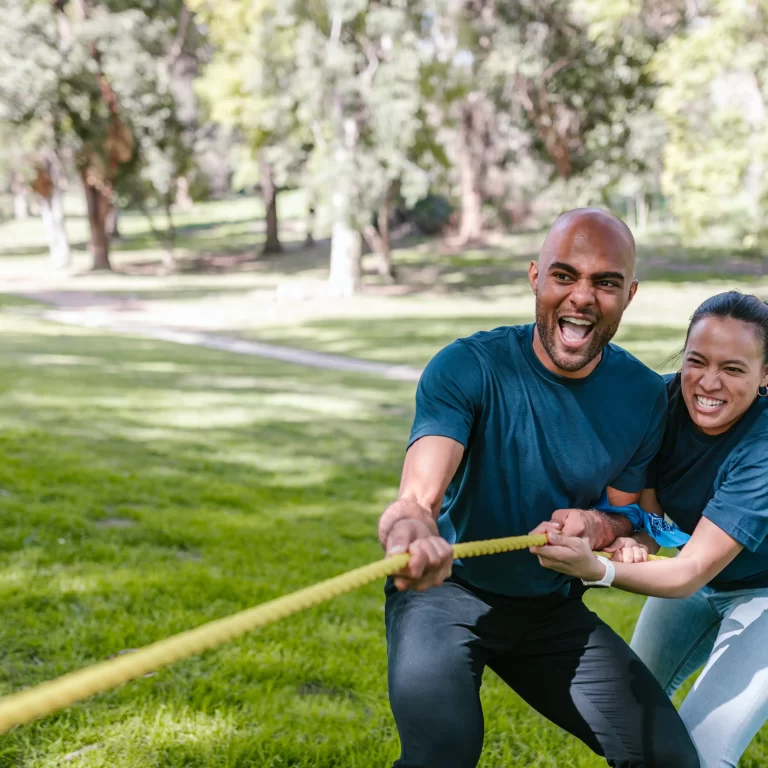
(431,556)
(587,524)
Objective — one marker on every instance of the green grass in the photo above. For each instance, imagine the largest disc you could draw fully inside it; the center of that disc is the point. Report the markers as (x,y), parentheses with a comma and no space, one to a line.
(146,488)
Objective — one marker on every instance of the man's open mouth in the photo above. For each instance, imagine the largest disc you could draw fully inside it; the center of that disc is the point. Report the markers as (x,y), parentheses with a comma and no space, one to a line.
(708,404)
(574,331)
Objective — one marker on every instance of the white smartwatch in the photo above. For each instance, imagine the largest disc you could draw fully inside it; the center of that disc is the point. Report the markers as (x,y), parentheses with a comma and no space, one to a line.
(608,576)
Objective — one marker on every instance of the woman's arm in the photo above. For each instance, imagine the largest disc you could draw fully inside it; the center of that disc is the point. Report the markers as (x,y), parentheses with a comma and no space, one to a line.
(703,557)
(650,502)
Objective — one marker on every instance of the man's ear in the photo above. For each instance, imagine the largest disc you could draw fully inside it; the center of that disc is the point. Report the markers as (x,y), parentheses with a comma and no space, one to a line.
(632,292)
(533,275)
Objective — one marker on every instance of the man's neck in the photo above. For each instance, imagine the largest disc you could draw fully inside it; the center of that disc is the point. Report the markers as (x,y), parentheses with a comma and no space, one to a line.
(550,364)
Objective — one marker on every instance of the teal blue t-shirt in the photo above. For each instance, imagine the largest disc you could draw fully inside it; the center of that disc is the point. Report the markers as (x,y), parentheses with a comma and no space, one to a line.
(721,477)
(535,442)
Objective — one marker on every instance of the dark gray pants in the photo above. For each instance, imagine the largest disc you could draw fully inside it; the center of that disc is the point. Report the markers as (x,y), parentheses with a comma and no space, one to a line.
(553,651)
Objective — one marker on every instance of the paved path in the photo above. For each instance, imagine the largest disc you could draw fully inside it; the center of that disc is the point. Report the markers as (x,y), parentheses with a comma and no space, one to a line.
(94,310)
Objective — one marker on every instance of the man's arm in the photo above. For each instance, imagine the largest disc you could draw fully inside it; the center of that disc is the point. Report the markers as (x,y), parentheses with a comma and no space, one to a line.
(599,529)
(409,524)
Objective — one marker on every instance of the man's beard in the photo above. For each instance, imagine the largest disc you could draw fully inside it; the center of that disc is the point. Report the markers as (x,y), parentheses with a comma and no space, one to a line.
(578,359)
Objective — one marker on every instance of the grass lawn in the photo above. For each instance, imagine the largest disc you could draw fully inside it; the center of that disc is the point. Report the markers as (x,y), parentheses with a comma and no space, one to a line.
(146,488)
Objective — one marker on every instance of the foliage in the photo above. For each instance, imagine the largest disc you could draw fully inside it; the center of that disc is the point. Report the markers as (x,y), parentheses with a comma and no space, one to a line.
(246,86)
(330,91)
(360,103)
(93,83)
(714,77)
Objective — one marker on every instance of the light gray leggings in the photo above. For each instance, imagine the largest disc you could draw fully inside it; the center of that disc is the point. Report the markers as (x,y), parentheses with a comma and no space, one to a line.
(727,633)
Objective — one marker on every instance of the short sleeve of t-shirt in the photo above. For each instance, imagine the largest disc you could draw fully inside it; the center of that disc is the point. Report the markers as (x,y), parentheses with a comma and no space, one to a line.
(740,505)
(448,395)
(652,475)
(634,476)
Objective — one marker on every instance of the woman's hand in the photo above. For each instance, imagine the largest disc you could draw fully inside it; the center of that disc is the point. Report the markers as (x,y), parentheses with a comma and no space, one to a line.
(569,555)
(627,550)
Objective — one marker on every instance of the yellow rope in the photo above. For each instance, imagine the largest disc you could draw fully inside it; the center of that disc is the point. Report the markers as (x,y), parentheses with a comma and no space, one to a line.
(46,698)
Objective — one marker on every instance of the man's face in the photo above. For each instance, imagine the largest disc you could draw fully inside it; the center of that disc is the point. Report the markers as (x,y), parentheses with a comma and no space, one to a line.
(583,281)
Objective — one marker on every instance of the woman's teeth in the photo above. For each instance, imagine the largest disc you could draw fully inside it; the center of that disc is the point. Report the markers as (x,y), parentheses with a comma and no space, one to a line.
(709,403)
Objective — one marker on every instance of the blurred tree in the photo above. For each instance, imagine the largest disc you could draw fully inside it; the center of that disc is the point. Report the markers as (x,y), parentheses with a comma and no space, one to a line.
(547,90)
(166,132)
(91,79)
(337,86)
(714,87)
(33,145)
(249,87)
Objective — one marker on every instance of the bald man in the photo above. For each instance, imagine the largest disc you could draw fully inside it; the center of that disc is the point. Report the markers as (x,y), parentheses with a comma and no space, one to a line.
(511,425)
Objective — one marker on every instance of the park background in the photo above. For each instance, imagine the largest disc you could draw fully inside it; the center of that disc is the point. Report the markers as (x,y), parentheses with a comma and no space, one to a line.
(231,235)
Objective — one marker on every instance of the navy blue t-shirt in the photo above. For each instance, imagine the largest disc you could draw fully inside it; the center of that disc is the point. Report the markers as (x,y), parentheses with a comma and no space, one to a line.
(722,477)
(535,442)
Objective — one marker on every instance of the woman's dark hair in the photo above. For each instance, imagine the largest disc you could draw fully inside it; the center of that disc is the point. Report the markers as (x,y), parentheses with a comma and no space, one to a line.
(738,306)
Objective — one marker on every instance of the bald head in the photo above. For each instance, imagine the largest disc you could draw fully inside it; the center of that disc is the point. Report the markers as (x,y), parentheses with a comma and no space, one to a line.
(585,229)
(584,279)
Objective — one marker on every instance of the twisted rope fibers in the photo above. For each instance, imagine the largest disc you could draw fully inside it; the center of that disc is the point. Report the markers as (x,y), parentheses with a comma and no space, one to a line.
(48,697)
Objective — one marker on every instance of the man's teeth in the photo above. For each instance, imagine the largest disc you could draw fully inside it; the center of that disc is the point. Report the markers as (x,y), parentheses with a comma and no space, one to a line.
(709,402)
(575,329)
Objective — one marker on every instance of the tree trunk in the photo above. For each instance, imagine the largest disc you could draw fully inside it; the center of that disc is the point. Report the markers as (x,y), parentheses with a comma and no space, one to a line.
(641,212)
(20,207)
(309,238)
(169,253)
(346,250)
(346,241)
(98,209)
(183,199)
(113,222)
(46,185)
(52,213)
(20,197)
(471,227)
(470,159)
(269,195)
(384,262)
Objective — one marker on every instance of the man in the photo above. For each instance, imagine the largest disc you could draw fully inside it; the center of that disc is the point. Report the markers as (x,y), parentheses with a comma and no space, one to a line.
(511,425)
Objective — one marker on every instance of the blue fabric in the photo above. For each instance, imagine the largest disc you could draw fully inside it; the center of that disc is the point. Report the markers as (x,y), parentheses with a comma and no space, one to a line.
(721,477)
(656,527)
(535,442)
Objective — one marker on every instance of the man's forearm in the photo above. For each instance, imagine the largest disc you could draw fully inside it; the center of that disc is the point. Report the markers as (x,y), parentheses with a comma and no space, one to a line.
(610,527)
(404,509)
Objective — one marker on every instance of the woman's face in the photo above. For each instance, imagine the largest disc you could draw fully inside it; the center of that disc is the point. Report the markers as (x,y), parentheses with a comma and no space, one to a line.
(723,367)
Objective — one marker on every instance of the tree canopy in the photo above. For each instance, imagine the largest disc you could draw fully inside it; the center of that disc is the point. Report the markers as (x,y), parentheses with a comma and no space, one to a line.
(371,106)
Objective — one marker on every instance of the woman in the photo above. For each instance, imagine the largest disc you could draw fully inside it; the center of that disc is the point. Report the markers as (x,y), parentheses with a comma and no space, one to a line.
(711,478)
